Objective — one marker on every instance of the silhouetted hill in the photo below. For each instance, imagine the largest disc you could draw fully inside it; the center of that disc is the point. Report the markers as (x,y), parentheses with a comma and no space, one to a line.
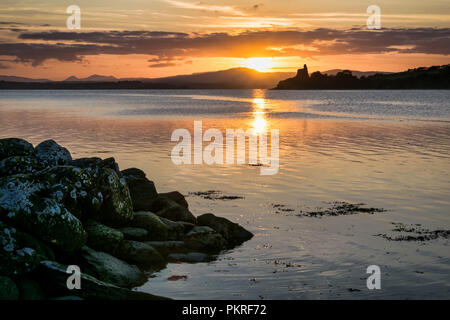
(356,73)
(436,77)
(236,78)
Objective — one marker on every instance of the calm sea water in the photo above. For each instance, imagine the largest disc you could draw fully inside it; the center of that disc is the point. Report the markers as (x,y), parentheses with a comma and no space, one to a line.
(388,149)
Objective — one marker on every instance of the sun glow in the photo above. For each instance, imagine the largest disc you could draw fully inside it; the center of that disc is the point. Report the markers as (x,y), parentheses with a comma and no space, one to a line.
(259,64)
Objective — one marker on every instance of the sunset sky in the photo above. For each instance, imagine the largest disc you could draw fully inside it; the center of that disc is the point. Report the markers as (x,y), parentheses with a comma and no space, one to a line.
(154,38)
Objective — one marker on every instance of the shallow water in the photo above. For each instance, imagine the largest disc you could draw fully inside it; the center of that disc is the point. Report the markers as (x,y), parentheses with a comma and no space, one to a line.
(388,149)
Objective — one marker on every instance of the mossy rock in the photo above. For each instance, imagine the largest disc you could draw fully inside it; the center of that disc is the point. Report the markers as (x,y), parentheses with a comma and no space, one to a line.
(117,208)
(142,190)
(232,232)
(157,230)
(20,252)
(52,153)
(101,237)
(19,164)
(140,253)
(15,147)
(205,239)
(110,269)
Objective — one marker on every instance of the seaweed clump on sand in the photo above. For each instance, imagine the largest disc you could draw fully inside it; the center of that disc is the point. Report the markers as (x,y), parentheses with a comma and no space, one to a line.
(415,233)
(59,214)
(340,208)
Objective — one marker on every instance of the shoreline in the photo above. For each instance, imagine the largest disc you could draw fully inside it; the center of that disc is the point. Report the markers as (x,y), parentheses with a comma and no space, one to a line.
(57,212)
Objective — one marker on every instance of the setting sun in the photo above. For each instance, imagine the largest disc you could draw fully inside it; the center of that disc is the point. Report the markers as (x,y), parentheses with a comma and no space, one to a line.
(259,64)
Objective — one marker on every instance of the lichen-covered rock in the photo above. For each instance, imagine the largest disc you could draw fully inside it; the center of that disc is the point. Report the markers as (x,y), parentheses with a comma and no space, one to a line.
(19,164)
(30,289)
(168,247)
(52,154)
(205,239)
(171,210)
(232,232)
(20,252)
(22,201)
(157,230)
(53,277)
(142,190)
(175,196)
(110,269)
(133,233)
(101,237)
(8,289)
(15,147)
(117,208)
(74,187)
(139,253)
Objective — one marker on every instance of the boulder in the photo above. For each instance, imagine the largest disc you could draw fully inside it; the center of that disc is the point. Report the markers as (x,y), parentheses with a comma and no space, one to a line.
(117,208)
(205,239)
(192,257)
(232,232)
(8,289)
(86,162)
(167,247)
(171,210)
(177,229)
(30,289)
(101,237)
(20,252)
(157,230)
(175,196)
(23,201)
(52,153)
(139,253)
(53,279)
(19,164)
(132,233)
(109,269)
(76,188)
(142,190)
(15,147)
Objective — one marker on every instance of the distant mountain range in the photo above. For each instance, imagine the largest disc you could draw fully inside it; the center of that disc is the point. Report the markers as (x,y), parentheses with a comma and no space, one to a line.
(236,78)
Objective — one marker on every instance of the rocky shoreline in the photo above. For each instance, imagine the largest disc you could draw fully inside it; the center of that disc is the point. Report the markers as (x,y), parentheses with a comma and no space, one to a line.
(56,212)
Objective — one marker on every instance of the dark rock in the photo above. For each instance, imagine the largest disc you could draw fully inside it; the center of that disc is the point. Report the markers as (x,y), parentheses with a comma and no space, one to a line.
(192,257)
(132,233)
(232,232)
(171,210)
(101,237)
(175,196)
(15,147)
(53,275)
(157,230)
(117,208)
(139,253)
(23,201)
(86,162)
(52,153)
(205,239)
(30,289)
(19,164)
(142,190)
(167,247)
(8,289)
(177,229)
(109,269)
(20,252)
